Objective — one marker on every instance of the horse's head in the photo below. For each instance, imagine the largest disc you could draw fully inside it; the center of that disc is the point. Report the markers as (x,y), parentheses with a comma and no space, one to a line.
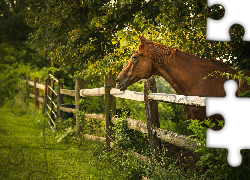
(138,67)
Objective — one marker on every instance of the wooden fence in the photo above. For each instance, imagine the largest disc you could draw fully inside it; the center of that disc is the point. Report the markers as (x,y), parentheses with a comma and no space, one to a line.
(53,99)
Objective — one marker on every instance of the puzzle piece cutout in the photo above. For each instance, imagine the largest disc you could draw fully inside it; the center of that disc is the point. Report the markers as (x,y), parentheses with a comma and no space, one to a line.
(236,12)
(18,159)
(237,122)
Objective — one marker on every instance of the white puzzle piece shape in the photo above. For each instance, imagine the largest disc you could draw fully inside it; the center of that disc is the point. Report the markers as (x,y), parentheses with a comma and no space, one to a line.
(233,135)
(236,12)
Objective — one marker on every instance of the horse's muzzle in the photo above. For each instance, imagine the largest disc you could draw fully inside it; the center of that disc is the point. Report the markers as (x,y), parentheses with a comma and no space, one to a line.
(120,84)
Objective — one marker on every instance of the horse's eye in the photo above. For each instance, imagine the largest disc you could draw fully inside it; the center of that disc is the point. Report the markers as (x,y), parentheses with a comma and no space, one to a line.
(134,58)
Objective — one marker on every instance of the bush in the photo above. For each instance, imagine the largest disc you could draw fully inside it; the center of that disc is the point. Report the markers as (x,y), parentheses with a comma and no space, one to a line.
(214,161)
(10,76)
(129,139)
(127,166)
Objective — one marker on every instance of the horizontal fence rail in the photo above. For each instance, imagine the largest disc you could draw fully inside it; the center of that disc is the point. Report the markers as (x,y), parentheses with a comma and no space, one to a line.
(92,92)
(168,136)
(38,98)
(68,92)
(38,85)
(69,110)
(139,96)
(171,98)
(133,95)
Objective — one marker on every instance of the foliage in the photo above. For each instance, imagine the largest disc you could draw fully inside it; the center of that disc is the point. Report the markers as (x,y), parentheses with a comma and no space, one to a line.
(214,161)
(92,105)
(130,168)
(129,139)
(13,14)
(16,59)
(76,32)
(239,76)
(127,166)
(10,77)
(93,127)
(15,31)
(100,36)
(166,168)
(245,94)
(65,134)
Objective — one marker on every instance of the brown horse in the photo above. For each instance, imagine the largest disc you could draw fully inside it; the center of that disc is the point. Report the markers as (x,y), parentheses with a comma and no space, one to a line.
(183,71)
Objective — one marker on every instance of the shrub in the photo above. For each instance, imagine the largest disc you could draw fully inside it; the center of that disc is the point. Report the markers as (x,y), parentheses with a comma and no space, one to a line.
(129,139)
(214,161)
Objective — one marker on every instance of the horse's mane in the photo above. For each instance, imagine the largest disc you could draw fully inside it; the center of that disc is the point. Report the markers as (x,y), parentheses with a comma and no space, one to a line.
(161,53)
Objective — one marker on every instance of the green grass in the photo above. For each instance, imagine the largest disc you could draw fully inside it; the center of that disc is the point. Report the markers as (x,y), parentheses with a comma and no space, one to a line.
(29,150)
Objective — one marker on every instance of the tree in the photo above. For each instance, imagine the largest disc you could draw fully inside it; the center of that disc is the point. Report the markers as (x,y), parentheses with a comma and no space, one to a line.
(15,31)
(16,59)
(98,36)
(75,32)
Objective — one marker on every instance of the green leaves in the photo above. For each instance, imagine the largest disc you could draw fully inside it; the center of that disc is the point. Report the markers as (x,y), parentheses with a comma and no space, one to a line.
(114,41)
(100,36)
(123,42)
(120,34)
(129,139)
(215,160)
(245,94)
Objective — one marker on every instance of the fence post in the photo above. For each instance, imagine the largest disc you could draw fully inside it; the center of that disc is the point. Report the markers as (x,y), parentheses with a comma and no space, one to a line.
(49,99)
(152,116)
(61,96)
(27,80)
(20,89)
(110,105)
(36,92)
(52,100)
(78,85)
(58,100)
(45,95)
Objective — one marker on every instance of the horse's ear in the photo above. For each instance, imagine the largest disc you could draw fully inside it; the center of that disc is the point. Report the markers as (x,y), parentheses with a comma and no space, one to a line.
(143,39)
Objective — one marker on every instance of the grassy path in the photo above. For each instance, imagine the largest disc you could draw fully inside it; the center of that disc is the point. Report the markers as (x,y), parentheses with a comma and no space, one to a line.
(28,150)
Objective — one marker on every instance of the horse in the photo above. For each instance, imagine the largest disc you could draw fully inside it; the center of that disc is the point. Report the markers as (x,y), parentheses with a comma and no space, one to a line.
(183,71)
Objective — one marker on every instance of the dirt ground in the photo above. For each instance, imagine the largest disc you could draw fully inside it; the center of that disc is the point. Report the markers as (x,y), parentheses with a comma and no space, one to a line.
(182,156)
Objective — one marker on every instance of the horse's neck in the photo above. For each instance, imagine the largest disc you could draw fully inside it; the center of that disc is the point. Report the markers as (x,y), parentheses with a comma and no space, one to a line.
(185,73)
